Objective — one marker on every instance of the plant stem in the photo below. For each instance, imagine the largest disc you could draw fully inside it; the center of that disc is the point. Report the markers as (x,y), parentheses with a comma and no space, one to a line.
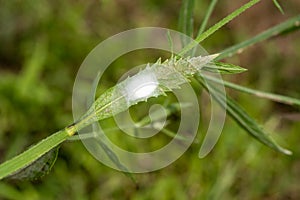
(27,157)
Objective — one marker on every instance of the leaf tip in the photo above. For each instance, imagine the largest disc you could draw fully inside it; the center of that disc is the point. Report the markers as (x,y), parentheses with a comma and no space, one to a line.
(278,6)
(214,56)
(287,152)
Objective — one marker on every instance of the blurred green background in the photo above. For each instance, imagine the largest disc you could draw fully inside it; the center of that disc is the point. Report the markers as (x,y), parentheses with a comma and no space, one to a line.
(42,46)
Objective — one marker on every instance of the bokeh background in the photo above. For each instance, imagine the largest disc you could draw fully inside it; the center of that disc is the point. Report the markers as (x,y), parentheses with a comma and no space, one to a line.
(42,46)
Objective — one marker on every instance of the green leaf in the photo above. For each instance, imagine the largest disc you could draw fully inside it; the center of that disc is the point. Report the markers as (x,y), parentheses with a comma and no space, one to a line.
(242,117)
(223,68)
(218,25)
(185,23)
(278,6)
(27,157)
(207,16)
(291,24)
(38,168)
(266,95)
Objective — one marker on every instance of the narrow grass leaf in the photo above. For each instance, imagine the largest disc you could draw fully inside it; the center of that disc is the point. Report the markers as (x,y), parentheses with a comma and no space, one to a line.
(185,23)
(242,117)
(293,23)
(218,25)
(186,17)
(206,17)
(276,3)
(205,20)
(266,95)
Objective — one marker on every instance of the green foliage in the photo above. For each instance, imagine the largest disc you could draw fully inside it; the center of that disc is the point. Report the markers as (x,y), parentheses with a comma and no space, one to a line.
(38,168)
(278,6)
(34,100)
(29,156)
(223,68)
(241,117)
(170,75)
(185,24)
(207,16)
(290,24)
(266,95)
(220,24)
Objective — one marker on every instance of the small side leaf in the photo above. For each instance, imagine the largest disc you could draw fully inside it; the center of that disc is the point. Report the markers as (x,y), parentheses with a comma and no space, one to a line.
(38,168)
(223,68)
